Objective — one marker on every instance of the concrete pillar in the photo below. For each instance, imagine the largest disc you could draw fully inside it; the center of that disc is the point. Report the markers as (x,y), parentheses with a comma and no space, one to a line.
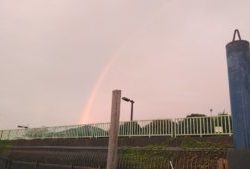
(238,61)
(114,129)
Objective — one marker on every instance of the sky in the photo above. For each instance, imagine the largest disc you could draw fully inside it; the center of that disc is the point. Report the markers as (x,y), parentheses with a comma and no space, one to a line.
(61,59)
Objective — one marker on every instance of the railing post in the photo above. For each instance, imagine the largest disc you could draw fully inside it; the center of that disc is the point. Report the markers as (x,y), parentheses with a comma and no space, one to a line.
(174,128)
(229,125)
(1,134)
(149,129)
(171,128)
(8,138)
(200,127)
(130,129)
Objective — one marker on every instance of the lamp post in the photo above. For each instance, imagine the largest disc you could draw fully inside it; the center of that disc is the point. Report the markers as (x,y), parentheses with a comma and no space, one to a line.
(132,106)
(211,111)
(23,127)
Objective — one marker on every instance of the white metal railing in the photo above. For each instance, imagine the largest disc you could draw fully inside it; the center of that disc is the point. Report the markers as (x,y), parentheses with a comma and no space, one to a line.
(217,125)
(196,126)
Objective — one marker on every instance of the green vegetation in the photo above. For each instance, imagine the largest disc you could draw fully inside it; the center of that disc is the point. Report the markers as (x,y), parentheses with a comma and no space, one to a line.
(156,127)
(87,130)
(4,146)
(160,155)
(196,115)
(191,143)
(145,158)
(36,132)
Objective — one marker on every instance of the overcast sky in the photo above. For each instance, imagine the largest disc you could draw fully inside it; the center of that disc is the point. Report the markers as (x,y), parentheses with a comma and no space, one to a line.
(61,59)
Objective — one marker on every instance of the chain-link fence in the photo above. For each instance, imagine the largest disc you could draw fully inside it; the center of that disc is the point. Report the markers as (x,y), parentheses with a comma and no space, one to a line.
(15,164)
(128,158)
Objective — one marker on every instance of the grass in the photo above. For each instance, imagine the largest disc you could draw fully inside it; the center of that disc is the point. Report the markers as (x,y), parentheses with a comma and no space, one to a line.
(189,142)
(4,147)
(157,154)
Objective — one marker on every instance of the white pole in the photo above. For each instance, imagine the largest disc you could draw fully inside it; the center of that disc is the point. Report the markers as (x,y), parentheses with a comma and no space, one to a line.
(114,129)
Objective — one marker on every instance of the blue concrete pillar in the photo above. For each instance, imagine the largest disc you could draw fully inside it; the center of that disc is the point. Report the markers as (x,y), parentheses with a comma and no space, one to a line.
(238,62)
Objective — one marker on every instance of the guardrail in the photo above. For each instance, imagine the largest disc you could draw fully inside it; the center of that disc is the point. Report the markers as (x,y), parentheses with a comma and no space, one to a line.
(195,126)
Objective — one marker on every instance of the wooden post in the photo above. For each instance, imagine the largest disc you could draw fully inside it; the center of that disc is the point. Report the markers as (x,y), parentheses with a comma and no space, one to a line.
(113,131)
(222,164)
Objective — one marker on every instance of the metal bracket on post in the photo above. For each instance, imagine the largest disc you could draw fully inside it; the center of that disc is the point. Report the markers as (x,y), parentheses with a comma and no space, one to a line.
(236,31)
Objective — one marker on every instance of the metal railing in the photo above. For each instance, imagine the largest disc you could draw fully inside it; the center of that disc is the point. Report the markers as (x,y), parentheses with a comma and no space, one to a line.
(195,126)
(217,125)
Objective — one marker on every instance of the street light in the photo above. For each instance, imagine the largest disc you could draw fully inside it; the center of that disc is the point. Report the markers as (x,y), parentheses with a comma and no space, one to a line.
(23,127)
(132,106)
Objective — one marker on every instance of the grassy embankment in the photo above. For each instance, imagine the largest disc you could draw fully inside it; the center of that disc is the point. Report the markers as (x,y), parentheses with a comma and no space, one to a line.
(4,147)
(188,149)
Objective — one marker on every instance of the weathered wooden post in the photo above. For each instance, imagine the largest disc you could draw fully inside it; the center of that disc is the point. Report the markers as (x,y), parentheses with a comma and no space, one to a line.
(113,131)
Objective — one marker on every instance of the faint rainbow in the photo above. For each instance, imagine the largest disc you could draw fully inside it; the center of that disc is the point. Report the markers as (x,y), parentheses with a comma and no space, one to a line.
(87,110)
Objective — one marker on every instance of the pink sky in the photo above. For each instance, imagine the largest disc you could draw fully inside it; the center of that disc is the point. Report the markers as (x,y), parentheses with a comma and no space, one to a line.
(61,59)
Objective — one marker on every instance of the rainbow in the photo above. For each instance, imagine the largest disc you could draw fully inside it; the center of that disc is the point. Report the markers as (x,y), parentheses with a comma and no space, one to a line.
(85,115)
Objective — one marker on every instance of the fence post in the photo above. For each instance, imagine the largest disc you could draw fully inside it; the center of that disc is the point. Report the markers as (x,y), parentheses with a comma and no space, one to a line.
(222,164)
(8,138)
(229,125)
(200,127)
(130,128)
(113,132)
(171,128)
(1,134)
(175,128)
(149,129)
